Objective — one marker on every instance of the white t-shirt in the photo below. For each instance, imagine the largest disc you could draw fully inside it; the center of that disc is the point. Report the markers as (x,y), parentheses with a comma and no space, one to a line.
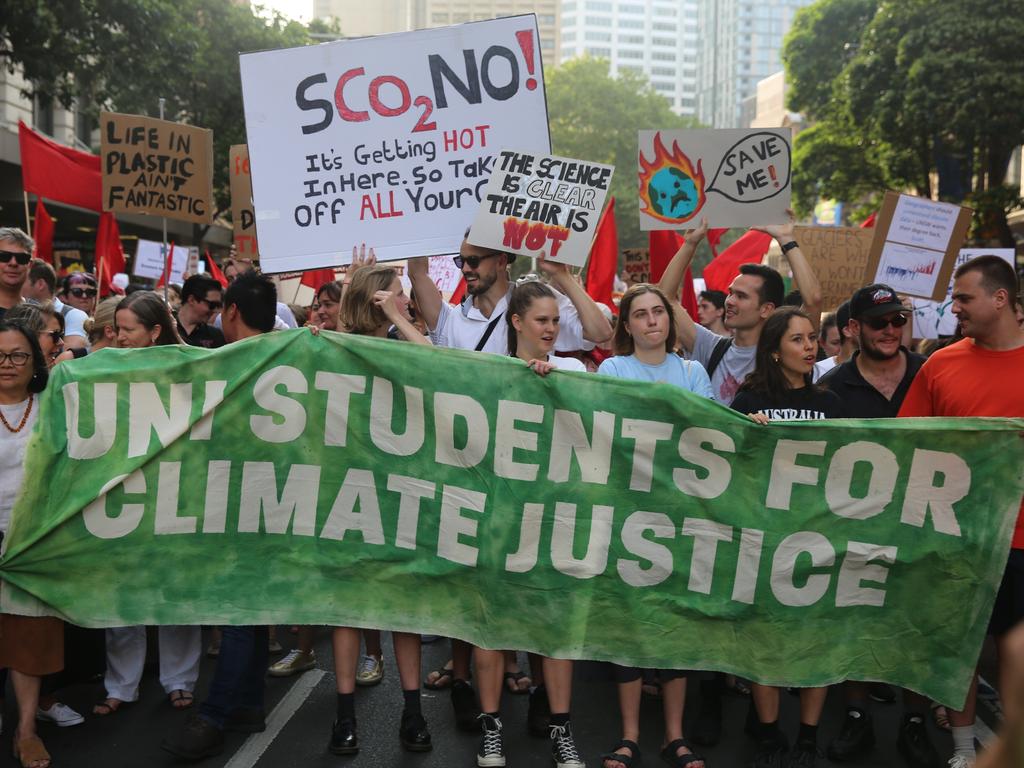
(463,326)
(822,367)
(12,455)
(734,367)
(567,363)
(74,319)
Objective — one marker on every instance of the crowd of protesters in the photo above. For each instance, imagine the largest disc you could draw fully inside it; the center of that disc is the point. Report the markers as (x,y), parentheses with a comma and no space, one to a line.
(746,349)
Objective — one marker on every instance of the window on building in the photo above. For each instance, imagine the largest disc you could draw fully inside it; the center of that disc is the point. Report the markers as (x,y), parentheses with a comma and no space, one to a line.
(662,11)
(631,39)
(665,87)
(598,21)
(630,54)
(601,53)
(42,115)
(668,42)
(663,56)
(83,127)
(599,37)
(631,24)
(664,71)
(663,26)
(569,36)
(627,8)
(593,5)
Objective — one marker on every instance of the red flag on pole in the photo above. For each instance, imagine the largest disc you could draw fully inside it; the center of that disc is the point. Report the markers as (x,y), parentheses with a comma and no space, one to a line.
(604,258)
(714,237)
(459,293)
(109,254)
(750,248)
(869,221)
(663,245)
(60,173)
(214,270)
(315,278)
(42,233)
(166,274)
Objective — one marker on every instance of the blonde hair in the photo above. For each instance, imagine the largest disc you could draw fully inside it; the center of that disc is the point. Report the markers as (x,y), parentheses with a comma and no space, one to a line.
(102,318)
(358,314)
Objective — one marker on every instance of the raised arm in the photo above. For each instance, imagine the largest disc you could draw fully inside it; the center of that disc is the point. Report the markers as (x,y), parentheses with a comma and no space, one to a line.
(803,276)
(596,327)
(386,301)
(672,282)
(428,298)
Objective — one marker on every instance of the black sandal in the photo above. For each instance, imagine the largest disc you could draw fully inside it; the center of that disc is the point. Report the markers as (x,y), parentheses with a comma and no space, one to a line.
(632,760)
(668,754)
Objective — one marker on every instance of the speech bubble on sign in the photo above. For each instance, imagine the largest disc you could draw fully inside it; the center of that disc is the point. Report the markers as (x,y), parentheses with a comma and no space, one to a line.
(753,169)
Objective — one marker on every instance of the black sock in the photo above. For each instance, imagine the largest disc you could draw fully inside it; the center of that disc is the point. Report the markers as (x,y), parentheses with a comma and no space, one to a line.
(412,701)
(559,719)
(346,706)
(769,731)
(808,734)
(496,715)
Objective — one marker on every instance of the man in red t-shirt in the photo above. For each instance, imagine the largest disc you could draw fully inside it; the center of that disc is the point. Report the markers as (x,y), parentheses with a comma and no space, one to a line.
(980,376)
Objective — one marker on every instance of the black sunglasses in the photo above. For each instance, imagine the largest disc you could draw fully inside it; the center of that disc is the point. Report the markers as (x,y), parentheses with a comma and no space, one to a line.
(878,323)
(83,293)
(56,336)
(212,304)
(472,261)
(19,256)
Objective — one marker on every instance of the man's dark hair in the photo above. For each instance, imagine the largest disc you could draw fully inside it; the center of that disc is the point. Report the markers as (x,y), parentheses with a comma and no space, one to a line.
(995,274)
(793,299)
(72,279)
(198,286)
(715,297)
(255,295)
(772,290)
(40,270)
(829,322)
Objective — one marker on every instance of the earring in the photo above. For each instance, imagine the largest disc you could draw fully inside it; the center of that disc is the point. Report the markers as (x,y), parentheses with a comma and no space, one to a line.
(775,358)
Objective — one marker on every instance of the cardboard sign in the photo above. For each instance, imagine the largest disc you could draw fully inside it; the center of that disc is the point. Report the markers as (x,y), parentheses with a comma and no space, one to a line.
(916,243)
(638,266)
(150,261)
(445,274)
(156,167)
(386,140)
(243,220)
(539,203)
(839,258)
(749,174)
(933,319)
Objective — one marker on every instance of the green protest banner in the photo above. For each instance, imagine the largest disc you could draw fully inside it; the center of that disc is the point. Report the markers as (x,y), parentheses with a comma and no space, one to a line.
(361,482)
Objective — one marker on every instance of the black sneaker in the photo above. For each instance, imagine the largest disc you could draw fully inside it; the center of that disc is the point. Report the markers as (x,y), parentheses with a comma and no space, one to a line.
(343,738)
(246,720)
(563,748)
(769,754)
(914,745)
(464,704)
(707,726)
(882,693)
(538,714)
(198,738)
(804,755)
(491,753)
(413,733)
(855,740)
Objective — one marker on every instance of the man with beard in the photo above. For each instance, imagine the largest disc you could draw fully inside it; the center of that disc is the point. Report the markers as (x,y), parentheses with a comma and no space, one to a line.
(872,385)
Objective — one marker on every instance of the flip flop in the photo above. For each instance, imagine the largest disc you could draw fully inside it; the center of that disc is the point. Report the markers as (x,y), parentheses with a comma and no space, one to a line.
(512,682)
(31,752)
(181,699)
(442,678)
(108,707)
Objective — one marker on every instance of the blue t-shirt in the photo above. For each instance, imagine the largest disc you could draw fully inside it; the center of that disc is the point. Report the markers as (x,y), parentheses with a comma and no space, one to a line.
(688,374)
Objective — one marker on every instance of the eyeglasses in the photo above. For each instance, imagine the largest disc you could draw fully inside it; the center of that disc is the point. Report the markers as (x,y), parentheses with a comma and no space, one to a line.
(212,304)
(18,359)
(472,261)
(878,323)
(56,336)
(19,256)
(83,293)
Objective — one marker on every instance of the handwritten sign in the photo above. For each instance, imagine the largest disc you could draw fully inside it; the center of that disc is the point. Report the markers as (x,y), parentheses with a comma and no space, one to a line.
(156,167)
(916,243)
(387,140)
(749,172)
(242,217)
(933,319)
(537,203)
(637,266)
(839,258)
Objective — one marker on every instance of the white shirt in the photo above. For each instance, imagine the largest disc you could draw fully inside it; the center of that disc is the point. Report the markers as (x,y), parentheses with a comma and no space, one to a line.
(12,455)
(567,363)
(822,367)
(74,319)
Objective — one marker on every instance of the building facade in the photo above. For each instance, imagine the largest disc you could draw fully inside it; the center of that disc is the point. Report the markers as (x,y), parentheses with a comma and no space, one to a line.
(655,37)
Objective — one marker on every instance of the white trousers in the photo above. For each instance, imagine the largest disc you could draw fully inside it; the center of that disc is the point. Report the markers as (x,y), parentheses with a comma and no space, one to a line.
(180,648)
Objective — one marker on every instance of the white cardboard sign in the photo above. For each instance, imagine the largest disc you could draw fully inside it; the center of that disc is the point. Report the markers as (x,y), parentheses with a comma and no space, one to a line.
(540,203)
(386,140)
(933,319)
(734,178)
(150,261)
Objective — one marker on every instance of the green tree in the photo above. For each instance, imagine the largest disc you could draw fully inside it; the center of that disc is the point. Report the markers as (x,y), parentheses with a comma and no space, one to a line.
(596,117)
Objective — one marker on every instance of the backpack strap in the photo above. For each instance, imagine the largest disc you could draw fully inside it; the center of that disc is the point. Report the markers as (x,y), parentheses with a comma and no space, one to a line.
(721,347)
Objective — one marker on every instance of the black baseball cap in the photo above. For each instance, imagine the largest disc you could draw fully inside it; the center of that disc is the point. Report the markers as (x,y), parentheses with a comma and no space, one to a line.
(874,300)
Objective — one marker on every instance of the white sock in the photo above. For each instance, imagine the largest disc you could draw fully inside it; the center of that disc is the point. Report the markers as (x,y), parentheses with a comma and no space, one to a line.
(963,741)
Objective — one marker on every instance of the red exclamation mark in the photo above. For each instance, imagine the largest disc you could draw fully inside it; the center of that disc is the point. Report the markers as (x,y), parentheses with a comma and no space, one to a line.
(525,39)
(771,172)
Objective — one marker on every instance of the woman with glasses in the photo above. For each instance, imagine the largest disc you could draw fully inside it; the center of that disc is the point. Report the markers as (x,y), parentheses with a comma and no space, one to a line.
(48,324)
(79,291)
(30,647)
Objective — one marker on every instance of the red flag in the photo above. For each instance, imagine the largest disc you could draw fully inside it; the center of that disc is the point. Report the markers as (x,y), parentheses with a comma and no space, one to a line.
(604,258)
(109,254)
(714,237)
(42,233)
(663,245)
(869,221)
(60,173)
(459,293)
(315,278)
(750,248)
(214,270)
(165,276)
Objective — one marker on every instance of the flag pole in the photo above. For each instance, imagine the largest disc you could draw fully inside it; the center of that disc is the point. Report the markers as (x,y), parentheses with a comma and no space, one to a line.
(28,221)
(164,223)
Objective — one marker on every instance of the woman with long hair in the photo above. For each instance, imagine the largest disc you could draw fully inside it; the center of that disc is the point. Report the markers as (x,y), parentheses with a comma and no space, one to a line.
(644,344)
(47,324)
(780,387)
(144,320)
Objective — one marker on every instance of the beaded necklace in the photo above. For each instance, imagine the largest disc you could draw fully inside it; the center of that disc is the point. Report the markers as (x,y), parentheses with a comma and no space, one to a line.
(24,418)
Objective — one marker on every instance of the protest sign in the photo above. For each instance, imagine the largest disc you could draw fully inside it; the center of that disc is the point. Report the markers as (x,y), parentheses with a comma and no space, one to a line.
(268,482)
(242,219)
(839,258)
(637,266)
(915,244)
(536,202)
(749,171)
(445,275)
(151,260)
(156,167)
(933,319)
(386,140)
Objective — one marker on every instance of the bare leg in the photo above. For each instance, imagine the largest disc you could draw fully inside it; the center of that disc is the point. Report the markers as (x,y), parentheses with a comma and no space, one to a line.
(346,657)
(490,667)
(407,658)
(558,674)
(766,701)
(26,693)
(673,701)
(629,712)
(812,701)
(960,718)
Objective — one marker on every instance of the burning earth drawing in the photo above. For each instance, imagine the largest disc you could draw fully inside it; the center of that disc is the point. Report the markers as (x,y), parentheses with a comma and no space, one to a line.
(671,189)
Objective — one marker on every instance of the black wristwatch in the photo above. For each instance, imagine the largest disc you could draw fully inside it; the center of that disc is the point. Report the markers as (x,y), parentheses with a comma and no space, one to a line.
(789,246)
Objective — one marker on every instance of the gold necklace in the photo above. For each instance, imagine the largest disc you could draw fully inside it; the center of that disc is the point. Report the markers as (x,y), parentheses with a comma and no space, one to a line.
(24,418)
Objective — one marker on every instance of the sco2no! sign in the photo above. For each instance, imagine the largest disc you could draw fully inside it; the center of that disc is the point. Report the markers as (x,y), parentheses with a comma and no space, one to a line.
(386,140)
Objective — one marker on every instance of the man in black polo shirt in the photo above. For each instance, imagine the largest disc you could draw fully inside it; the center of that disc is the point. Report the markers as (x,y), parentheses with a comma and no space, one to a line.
(200,300)
(872,385)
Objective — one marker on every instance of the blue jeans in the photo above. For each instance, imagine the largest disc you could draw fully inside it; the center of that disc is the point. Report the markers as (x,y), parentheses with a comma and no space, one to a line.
(238,680)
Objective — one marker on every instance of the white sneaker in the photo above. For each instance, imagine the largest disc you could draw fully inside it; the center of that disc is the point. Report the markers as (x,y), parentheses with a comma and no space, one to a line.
(960,761)
(60,715)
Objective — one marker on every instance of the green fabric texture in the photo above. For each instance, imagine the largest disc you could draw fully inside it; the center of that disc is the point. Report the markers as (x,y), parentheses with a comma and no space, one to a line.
(352,481)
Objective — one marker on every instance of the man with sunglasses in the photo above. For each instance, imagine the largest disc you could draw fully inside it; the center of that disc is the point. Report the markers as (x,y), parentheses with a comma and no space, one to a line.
(200,301)
(872,385)
(15,254)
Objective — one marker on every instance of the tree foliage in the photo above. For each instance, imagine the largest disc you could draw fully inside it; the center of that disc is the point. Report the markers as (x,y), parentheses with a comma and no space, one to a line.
(596,117)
